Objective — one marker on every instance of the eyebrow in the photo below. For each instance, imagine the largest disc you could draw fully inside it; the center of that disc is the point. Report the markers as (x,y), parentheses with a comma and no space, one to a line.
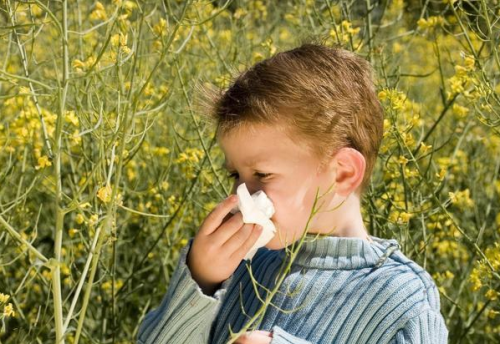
(226,164)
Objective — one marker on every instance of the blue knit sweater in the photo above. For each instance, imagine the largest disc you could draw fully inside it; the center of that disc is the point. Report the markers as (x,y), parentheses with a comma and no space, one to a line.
(343,290)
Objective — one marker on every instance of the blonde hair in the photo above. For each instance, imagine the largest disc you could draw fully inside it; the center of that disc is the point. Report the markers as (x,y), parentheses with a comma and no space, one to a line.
(323,95)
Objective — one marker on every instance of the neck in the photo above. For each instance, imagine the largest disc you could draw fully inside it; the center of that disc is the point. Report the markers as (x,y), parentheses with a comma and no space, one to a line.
(340,218)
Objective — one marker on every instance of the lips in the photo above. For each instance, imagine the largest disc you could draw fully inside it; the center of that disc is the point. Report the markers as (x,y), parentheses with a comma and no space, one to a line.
(259,209)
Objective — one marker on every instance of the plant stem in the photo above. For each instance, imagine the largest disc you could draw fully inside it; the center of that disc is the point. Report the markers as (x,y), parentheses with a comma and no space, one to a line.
(56,270)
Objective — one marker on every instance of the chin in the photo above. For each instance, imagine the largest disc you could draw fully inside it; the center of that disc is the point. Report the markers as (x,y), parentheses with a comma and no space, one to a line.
(274,244)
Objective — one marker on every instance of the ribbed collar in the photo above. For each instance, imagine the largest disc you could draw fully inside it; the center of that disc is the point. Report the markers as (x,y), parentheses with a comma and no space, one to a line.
(346,253)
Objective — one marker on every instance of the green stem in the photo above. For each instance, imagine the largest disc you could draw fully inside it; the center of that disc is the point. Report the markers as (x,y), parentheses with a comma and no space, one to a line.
(19,238)
(56,271)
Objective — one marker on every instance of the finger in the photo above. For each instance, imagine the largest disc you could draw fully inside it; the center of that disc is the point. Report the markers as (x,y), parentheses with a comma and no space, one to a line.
(255,337)
(264,333)
(227,217)
(215,217)
(241,245)
(228,229)
(238,238)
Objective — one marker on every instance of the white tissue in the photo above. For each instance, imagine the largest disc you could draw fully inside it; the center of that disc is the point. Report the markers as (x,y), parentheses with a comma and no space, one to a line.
(257,208)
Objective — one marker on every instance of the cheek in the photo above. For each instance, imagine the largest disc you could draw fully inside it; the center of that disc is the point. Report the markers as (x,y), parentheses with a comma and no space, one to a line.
(291,208)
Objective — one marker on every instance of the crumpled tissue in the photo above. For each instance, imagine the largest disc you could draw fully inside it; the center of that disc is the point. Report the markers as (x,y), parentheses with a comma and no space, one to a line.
(259,209)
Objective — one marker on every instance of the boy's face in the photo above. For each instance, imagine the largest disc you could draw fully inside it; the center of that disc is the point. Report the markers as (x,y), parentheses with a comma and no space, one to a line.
(292,180)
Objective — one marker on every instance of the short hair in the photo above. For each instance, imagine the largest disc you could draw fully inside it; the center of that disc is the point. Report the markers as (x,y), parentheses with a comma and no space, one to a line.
(323,95)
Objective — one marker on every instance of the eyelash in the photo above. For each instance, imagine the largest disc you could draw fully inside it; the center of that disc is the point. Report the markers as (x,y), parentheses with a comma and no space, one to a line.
(260,175)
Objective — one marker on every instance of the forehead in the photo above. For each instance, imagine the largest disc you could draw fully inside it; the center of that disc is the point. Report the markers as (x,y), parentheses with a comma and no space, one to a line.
(259,144)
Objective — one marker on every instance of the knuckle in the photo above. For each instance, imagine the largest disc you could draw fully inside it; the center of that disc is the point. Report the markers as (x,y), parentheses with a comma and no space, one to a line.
(244,231)
(210,248)
(237,219)
(211,215)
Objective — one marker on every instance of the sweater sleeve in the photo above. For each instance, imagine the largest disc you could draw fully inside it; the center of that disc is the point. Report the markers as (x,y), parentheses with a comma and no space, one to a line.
(185,314)
(426,328)
(280,336)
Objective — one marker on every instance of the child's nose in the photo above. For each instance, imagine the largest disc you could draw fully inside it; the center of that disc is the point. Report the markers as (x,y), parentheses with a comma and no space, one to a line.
(252,187)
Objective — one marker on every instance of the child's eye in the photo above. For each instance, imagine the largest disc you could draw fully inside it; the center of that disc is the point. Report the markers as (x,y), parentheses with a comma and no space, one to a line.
(233,175)
(263,175)
(260,175)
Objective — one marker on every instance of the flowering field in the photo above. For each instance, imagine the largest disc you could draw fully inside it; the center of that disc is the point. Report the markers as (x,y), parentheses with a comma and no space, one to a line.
(108,166)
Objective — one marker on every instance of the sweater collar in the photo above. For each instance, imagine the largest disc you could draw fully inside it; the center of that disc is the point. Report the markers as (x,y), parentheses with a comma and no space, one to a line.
(343,253)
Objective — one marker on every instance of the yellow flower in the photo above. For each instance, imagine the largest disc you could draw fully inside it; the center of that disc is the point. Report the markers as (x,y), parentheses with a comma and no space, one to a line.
(457,84)
(239,13)
(292,18)
(430,22)
(71,118)
(43,162)
(448,274)
(78,63)
(93,219)
(119,39)
(402,160)
(47,274)
(492,313)
(461,198)
(284,34)
(492,294)
(395,98)
(104,194)
(106,286)
(4,298)
(79,219)
(425,148)
(405,217)
(129,6)
(159,29)
(459,111)
(99,12)
(190,155)
(257,56)
(469,63)
(225,35)
(441,174)
(65,269)
(72,232)
(164,185)
(396,47)
(347,26)
(8,311)
(344,32)
(382,95)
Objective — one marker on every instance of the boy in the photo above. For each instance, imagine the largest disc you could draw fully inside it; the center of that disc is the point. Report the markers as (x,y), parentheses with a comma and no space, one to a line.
(302,120)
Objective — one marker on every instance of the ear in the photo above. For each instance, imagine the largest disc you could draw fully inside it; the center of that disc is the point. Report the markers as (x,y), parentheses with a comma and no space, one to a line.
(350,166)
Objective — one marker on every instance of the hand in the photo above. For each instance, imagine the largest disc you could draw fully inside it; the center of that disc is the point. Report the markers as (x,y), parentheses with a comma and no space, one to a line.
(219,246)
(255,337)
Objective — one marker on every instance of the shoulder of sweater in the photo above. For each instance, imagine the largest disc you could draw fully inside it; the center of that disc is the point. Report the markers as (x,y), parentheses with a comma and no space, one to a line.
(422,279)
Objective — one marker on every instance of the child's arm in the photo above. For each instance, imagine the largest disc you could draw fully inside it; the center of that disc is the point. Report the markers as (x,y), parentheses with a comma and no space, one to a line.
(186,314)
(427,328)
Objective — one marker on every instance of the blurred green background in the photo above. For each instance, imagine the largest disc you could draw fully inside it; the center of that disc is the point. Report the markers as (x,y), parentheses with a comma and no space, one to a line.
(108,165)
